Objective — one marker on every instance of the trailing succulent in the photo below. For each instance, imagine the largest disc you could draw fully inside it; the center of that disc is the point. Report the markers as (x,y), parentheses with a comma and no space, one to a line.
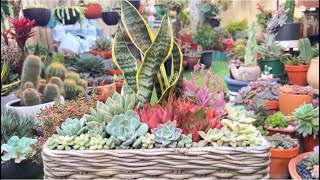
(167,135)
(282,141)
(307,118)
(278,120)
(17,149)
(141,80)
(127,130)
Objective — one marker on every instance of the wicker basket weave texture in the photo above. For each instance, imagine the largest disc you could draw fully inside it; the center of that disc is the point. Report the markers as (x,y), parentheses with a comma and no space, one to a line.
(195,163)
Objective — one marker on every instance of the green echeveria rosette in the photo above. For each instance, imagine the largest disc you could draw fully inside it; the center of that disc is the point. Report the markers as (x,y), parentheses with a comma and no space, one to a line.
(72,127)
(307,118)
(186,141)
(167,135)
(127,130)
(61,142)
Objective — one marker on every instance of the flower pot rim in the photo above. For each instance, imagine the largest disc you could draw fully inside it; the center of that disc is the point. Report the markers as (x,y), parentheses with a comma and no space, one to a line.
(207,51)
(280,92)
(91,87)
(273,59)
(228,80)
(249,66)
(293,163)
(282,130)
(285,153)
(296,66)
(9,104)
(36,8)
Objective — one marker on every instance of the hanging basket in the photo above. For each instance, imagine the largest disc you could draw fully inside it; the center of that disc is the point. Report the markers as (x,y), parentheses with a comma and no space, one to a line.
(93,11)
(73,17)
(40,15)
(193,163)
(111,18)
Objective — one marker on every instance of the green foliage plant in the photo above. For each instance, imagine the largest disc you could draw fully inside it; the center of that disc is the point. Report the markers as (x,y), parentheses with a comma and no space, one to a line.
(278,120)
(234,27)
(102,44)
(307,118)
(204,36)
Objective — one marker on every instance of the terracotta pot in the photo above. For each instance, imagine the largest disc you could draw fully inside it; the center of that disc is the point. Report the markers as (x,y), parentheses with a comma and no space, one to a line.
(192,61)
(93,11)
(313,74)
(272,105)
(273,131)
(119,86)
(279,162)
(103,92)
(297,74)
(185,38)
(309,3)
(289,102)
(114,72)
(104,54)
(309,142)
(184,64)
(293,164)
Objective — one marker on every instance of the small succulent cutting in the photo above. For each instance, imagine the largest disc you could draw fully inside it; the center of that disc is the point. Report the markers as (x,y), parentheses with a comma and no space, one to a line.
(17,149)
(61,142)
(307,118)
(186,141)
(278,120)
(282,141)
(127,130)
(72,127)
(167,135)
(148,141)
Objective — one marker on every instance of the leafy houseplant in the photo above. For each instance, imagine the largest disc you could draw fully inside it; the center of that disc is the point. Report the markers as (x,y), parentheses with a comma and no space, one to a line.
(271,52)
(291,97)
(307,118)
(283,149)
(204,36)
(102,47)
(248,71)
(69,15)
(93,9)
(41,14)
(297,67)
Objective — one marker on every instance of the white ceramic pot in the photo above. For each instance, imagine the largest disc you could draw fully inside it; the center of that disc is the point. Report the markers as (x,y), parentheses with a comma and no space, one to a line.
(313,73)
(245,73)
(29,110)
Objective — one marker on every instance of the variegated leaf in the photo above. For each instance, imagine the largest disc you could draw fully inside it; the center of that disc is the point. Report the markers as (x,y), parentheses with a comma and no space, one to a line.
(124,60)
(136,27)
(154,57)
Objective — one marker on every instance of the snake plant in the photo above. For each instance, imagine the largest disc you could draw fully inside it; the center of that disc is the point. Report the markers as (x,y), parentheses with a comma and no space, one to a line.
(151,74)
(6,89)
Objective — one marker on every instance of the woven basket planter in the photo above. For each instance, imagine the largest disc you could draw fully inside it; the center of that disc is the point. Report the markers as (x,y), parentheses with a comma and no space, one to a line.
(195,163)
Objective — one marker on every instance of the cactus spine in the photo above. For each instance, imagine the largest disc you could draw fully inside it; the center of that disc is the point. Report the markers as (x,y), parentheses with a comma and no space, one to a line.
(31,71)
(305,50)
(57,81)
(250,58)
(56,69)
(70,89)
(51,92)
(289,6)
(30,97)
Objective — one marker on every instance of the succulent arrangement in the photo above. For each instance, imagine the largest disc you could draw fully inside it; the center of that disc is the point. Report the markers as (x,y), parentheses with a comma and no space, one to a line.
(282,141)
(307,118)
(102,44)
(294,89)
(270,49)
(17,149)
(72,127)
(167,135)
(278,120)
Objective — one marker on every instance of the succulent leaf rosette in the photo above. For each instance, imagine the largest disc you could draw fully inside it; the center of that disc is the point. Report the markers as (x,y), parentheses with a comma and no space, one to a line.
(307,118)
(72,127)
(167,135)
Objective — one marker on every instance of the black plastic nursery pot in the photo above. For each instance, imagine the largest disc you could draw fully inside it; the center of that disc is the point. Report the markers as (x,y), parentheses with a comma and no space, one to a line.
(73,18)
(206,58)
(110,18)
(276,65)
(40,15)
(26,169)
(288,32)
(136,3)
(214,22)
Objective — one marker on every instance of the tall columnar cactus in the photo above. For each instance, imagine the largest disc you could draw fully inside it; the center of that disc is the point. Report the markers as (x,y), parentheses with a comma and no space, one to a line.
(70,89)
(289,6)
(250,58)
(305,48)
(31,71)
(51,92)
(30,97)
(56,69)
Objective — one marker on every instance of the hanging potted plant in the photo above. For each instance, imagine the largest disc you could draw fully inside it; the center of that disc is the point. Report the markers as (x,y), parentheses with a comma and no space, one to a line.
(307,119)
(40,13)
(192,57)
(204,37)
(271,52)
(291,97)
(93,8)
(283,149)
(110,16)
(102,47)
(313,72)
(103,87)
(211,10)
(297,67)
(278,123)
(249,70)
(68,15)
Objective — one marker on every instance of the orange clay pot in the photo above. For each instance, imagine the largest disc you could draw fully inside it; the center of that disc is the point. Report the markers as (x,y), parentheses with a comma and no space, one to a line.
(104,54)
(119,86)
(293,164)
(103,92)
(93,11)
(297,74)
(113,72)
(272,105)
(289,102)
(279,162)
(273,131)
(309,142)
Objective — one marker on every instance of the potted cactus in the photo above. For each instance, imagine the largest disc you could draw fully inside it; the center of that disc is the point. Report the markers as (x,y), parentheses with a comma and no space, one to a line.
(278,123)
(297,67)
(283,149)
(248,71)
(102,47)
(40,13)
(92,8)
(291,97)
(192,57)
(307,119)
(271,52)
